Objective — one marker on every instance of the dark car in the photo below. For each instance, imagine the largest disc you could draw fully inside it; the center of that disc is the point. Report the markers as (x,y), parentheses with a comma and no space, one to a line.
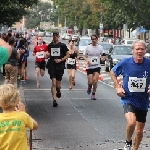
(116,54)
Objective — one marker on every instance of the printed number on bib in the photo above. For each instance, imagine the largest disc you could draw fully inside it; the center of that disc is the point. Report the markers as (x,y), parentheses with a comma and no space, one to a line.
(94,61)
(55,51)
(40,54)
(137,84)
(71,61)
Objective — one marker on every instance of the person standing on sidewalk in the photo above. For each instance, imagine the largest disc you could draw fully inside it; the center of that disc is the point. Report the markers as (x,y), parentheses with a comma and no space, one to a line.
(5,52)
(11,67)
(134,92)
(14,120)
(58,53)
(92,55)
(71,63)
(39,52)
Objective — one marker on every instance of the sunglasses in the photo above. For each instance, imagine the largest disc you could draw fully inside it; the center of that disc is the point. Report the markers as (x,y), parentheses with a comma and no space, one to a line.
(94,39)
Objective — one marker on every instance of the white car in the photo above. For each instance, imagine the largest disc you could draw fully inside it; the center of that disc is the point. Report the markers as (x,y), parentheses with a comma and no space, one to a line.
(128,41)
(75,37)
(67,37)
(83,43)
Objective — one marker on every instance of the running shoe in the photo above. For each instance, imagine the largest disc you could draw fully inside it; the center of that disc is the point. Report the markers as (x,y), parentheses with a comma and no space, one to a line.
(58,94)
(55,103)
(127,146)
(93,97)
(89,90)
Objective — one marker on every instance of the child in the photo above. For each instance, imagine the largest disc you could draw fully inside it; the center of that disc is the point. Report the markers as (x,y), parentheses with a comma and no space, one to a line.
(14,120)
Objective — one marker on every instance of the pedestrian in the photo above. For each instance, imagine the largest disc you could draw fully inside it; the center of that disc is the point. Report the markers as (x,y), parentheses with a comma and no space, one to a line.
(14,120)
(40,63)
(23,59)
(71,63)
(11,66)
(134,92)
(5,52)
(58,53)
(92,55)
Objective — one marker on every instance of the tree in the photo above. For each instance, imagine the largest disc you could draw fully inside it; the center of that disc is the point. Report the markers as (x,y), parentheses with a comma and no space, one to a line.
(13,10)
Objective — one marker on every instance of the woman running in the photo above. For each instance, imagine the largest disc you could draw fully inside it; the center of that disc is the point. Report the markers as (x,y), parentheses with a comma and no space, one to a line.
(71,63)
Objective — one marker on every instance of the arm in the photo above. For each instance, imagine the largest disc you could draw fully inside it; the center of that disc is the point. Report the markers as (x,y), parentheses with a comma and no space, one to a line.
(21,107)
(120,91)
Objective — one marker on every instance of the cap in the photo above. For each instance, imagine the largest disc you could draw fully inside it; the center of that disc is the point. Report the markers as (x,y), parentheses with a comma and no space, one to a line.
(56,33)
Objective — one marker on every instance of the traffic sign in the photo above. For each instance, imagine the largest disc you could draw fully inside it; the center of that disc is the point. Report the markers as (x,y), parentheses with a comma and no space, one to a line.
(101,26)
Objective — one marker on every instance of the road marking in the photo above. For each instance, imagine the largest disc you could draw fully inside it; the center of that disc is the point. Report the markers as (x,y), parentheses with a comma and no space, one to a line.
(106,78)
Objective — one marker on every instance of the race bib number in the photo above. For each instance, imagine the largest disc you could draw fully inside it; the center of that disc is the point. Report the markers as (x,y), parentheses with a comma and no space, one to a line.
(94,61)
(71,61)
(55,51)
(137,84)
(40,54)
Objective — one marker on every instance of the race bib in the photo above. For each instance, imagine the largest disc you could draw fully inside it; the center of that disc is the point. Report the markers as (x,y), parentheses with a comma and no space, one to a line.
(40,54)
(137,84)
(94,61)
(55,51)
(71,61)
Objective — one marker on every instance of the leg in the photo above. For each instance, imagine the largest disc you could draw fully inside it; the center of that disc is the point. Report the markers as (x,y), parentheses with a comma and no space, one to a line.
(13,74)
(69,78)
(73,76)
(37,72)
(42,72)
(138,135)
(95,80)
(22,70)
(140,123)
(89,77)
(53,88)
(130,117)
(131,121)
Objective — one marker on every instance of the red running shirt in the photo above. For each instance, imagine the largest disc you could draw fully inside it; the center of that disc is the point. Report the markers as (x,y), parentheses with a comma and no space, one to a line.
(39,52)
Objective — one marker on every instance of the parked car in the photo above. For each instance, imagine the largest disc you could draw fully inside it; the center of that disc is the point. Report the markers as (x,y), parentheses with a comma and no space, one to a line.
(48,34)
(128,41)
(63,36)
(67,37)
(116,54)
(106,46)
(41,33)
(83,43)
(75,37)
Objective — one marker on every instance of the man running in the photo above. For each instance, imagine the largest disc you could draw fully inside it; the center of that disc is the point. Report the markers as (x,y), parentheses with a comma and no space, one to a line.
(92,55)
(58,53)
(134,92)
(39,52)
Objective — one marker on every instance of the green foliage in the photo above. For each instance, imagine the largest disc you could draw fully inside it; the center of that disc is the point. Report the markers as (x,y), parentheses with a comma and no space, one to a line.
(13,10)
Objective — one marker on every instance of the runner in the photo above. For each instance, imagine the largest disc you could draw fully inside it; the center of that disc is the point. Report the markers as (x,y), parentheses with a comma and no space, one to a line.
(39,51)
(134,92)
(58,53)
(92,55)
(71,63)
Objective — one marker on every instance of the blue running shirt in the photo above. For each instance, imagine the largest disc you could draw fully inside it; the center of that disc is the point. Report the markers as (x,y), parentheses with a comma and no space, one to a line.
(136,79)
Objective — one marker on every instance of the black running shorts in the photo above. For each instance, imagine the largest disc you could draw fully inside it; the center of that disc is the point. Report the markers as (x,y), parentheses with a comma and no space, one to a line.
(140,114)
(91,71)
(40,65)
(57,74)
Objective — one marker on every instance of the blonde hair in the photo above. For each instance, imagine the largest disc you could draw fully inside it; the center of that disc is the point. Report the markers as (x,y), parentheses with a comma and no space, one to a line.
(9,96)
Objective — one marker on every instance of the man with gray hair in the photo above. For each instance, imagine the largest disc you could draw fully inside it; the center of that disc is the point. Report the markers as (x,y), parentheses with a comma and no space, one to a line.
(134,92)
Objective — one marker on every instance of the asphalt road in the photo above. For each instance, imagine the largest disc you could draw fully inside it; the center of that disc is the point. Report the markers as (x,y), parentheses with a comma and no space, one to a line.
(78,123)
